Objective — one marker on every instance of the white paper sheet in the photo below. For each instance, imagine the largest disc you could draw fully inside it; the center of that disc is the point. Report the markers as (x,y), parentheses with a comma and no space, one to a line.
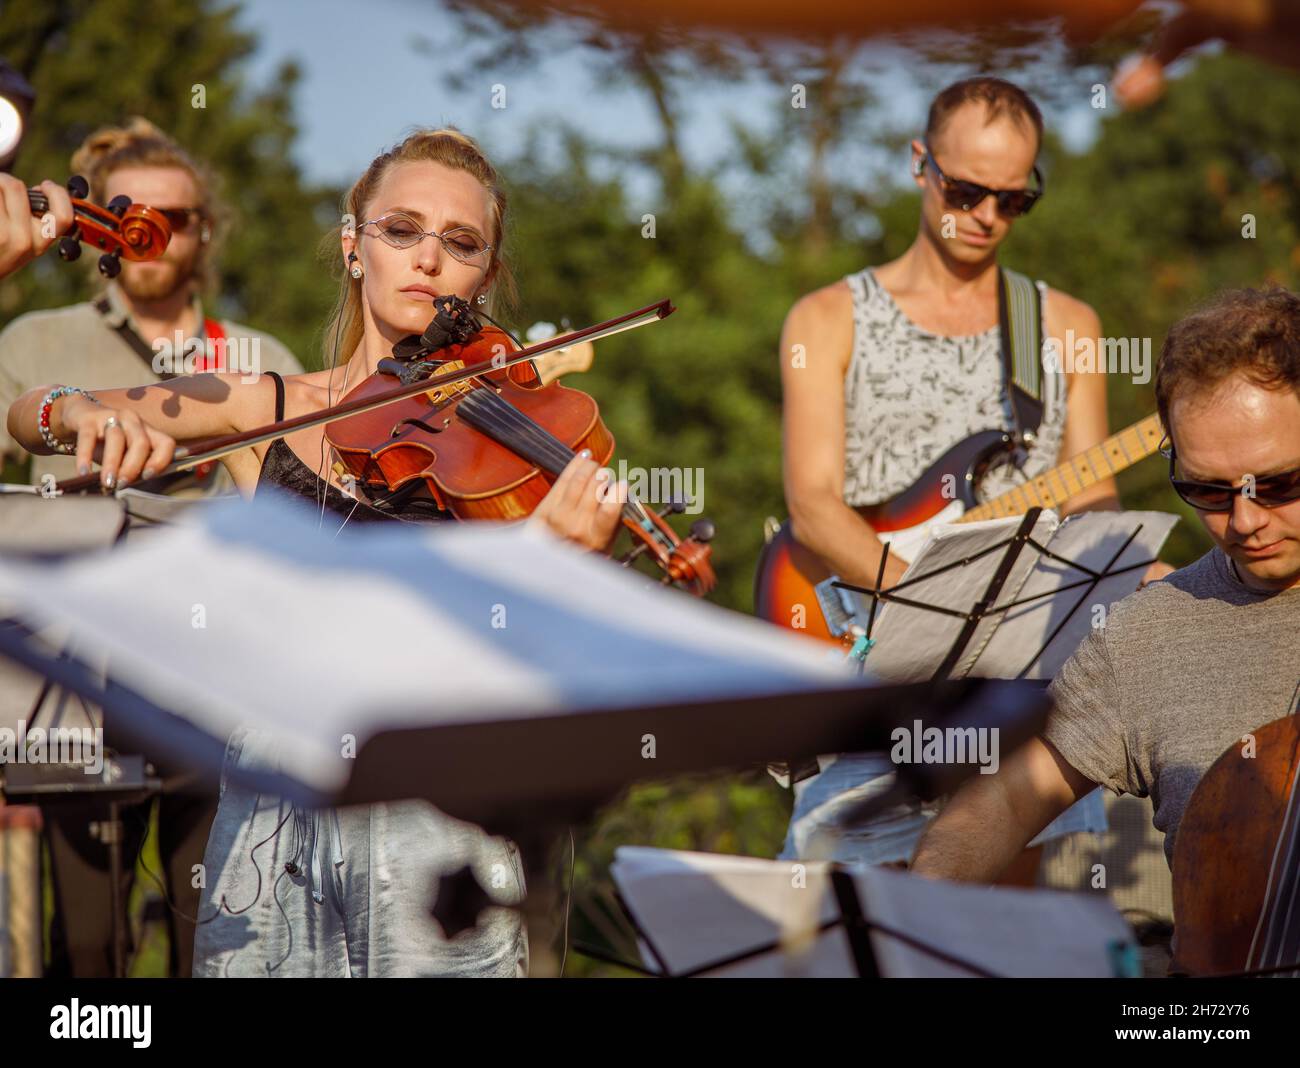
(911,643)
(698,908)
(248,614)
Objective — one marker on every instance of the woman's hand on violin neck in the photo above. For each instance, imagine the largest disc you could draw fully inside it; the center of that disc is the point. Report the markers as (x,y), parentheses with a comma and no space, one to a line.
(24,236)
(130,447)
(585,504)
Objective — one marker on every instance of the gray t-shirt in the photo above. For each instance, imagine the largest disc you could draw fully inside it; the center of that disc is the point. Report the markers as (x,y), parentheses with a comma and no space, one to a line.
(1182,670)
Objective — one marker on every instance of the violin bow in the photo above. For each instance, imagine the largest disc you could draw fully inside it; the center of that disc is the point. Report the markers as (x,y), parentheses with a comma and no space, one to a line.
(202,451)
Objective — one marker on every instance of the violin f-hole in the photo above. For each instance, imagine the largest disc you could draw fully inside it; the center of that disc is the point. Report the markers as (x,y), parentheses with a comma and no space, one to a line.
(397,427)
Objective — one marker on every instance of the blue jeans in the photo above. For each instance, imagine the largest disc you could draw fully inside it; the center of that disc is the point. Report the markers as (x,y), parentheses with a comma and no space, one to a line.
(346,892)
(891,835)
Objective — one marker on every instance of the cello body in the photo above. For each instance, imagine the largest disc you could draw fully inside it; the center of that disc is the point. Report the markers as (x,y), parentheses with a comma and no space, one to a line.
(1236,868)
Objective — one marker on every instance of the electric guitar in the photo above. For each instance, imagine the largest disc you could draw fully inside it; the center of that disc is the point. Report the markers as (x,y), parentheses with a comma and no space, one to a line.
(793,586)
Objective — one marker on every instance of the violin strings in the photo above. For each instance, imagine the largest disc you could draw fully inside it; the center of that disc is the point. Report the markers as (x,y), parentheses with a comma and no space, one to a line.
(555,449)
(499,418)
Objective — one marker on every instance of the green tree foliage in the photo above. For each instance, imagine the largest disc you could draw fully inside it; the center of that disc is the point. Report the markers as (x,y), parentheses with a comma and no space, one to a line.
(98,62)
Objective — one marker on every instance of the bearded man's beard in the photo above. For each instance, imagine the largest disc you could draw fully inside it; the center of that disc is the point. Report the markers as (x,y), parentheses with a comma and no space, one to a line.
(158,281)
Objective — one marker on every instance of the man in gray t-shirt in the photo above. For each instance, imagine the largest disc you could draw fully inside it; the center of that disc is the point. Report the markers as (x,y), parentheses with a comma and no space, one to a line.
(1186,667)
(1182,670)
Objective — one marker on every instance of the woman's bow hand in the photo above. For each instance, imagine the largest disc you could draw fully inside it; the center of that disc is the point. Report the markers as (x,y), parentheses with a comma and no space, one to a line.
(131,448)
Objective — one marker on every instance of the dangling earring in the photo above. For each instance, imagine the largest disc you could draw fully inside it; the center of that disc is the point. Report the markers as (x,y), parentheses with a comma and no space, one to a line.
(356,267)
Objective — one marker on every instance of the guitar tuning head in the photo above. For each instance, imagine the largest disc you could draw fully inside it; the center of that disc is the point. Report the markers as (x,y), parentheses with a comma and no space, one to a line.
(78,187)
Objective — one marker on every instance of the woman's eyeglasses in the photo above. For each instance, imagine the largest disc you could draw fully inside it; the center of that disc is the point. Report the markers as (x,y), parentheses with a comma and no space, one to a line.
(966,196)
(401,231)
(1271,492)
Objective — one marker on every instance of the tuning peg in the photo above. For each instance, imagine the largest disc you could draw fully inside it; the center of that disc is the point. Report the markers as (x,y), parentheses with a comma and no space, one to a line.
(118,205)
(78,187)
(702,530)
(109,265)
(626,559)
(674,507)
(69,249)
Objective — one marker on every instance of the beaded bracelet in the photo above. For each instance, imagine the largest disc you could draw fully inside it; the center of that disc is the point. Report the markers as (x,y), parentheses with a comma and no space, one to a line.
(47,402)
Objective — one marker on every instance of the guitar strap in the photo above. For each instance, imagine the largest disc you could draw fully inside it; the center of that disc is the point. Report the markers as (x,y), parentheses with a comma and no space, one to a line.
(212,330)
(1020,322)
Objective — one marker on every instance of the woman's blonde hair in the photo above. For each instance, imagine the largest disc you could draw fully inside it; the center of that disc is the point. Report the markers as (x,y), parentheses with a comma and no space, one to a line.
(142,144)
(453,149)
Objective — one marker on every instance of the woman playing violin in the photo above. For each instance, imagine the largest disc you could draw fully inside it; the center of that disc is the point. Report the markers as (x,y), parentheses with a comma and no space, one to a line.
(430,220)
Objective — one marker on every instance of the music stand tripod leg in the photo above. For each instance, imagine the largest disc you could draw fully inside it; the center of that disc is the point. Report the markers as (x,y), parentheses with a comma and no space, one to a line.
(110,831)
(543,904)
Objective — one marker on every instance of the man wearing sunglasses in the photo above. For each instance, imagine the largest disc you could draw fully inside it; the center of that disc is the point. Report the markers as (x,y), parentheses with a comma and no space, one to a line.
(1187,667)
(127,334)
(885,370)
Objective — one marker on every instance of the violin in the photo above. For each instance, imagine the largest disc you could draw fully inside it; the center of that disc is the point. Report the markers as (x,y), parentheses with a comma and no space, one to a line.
(490,446)
(1236,870)
(119,229)
(458,409)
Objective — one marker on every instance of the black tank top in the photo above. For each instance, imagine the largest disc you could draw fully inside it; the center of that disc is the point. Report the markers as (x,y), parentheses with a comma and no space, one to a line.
(282,468)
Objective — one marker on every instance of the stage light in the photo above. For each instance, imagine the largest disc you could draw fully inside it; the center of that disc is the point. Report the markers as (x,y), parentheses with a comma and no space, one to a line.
(16,99)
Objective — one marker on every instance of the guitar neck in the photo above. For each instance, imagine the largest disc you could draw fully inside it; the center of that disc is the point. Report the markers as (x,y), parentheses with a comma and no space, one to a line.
(1054,487)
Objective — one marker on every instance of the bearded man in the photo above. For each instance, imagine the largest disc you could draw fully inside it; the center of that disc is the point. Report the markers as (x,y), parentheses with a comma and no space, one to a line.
(148,324)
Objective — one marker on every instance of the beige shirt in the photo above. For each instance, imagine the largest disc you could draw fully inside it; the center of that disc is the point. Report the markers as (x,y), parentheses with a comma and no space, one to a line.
(77,346)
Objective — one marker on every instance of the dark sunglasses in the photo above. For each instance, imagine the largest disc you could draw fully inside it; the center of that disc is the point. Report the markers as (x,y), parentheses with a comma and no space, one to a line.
(1270,492)
(966,196)
(179,219)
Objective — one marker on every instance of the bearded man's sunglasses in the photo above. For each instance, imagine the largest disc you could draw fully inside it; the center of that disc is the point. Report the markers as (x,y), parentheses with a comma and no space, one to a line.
(1271,491)
(966,196)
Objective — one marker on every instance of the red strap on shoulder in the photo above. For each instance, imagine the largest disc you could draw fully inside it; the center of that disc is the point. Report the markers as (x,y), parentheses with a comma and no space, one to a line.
(213,357)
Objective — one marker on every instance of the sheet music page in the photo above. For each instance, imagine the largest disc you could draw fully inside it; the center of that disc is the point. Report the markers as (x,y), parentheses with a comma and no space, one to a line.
(697,908)
(340,639)
(1091,539)
(1005,931)
(911,643)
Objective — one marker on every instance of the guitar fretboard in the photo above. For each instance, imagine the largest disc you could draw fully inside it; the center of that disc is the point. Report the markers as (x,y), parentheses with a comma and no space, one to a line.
(1071,478)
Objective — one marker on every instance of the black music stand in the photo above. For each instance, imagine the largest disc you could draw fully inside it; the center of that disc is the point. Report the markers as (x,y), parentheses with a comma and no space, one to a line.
(560,769)
(850,914)
(532,777)
(852,918)
(987,605)
(123,781)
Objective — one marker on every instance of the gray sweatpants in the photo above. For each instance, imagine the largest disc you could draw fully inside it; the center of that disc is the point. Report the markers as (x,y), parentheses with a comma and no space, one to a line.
(338,892)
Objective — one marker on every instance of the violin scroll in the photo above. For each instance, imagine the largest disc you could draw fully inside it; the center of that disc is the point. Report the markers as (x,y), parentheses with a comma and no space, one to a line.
(684,561)
(117,230)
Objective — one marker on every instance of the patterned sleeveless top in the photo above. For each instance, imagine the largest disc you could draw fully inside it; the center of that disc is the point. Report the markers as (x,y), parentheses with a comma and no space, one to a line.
(910,395)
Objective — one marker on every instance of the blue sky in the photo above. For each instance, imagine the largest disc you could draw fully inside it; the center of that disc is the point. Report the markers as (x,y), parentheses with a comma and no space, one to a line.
(365,82)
